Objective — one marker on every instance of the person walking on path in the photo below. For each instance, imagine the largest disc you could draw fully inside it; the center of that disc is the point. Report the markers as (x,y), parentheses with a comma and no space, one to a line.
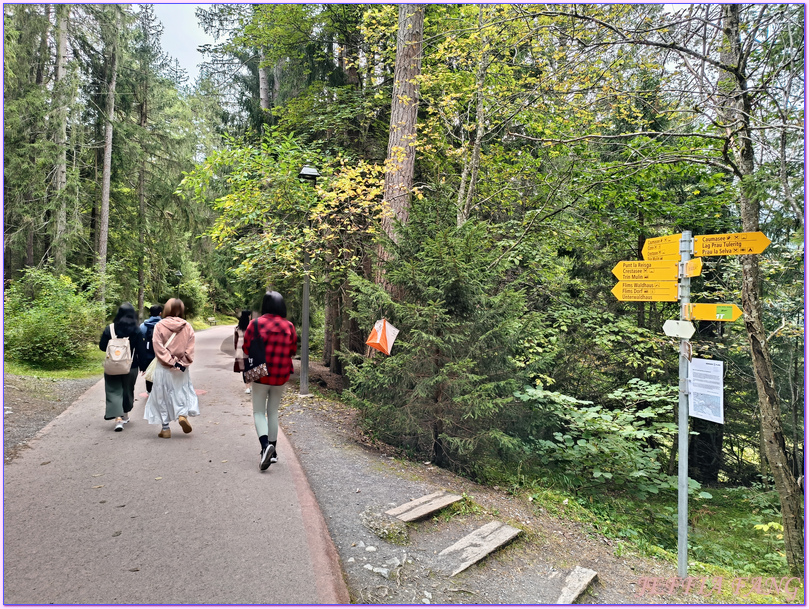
(147,330)
(173,397)
(120,388)
(280,343)
(238,341)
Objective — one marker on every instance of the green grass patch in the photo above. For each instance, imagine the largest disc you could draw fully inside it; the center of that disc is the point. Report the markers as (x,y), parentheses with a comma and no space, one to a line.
(90,364)
(733,534)
(467,506)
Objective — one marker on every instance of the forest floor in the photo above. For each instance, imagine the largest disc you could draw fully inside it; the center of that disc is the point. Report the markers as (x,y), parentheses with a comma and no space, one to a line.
(353,476)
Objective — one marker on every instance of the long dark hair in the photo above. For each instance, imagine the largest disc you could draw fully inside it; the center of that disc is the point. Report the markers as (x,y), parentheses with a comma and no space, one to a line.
(244,319)
(273,303)
(126,320)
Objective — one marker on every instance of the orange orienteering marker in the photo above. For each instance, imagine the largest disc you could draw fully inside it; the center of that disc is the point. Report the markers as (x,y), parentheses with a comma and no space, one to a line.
(382,336)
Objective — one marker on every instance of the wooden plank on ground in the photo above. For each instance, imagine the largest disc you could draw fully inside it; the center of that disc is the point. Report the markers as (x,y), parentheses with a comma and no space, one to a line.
(423,506)
(477,545)
(575,584)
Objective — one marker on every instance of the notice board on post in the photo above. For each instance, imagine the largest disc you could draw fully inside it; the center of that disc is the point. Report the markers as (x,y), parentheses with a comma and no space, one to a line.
(706,390)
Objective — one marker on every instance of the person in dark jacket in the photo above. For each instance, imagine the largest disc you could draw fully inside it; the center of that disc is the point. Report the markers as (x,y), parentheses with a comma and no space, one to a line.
(120,388)
(280,343)
(147,330)
(238,341)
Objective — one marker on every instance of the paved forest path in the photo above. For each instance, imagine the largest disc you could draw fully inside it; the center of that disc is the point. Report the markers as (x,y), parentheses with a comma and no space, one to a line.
(97,517)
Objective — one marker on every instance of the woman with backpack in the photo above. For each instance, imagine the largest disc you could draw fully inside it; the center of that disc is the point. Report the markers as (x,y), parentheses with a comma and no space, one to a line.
(119,384)
(280,343)
(173,397)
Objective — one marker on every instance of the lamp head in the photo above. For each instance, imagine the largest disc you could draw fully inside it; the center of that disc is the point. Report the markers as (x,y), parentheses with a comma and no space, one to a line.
(309,173)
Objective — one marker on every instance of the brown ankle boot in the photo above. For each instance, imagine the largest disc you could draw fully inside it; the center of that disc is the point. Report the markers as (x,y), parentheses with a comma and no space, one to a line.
(164,433)
(184,424)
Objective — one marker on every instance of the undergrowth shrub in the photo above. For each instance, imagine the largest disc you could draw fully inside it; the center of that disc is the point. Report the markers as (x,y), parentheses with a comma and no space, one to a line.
(619,448)
(48,321)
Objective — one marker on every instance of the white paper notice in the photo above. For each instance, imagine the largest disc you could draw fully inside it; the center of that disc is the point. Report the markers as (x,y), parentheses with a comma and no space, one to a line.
(706,390)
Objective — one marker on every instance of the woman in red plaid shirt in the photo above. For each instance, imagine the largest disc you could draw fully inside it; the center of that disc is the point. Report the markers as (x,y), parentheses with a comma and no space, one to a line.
(280,344)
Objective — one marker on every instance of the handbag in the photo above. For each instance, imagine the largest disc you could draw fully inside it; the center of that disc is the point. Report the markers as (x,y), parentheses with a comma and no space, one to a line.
(119,357)
(255,364)
(149,373)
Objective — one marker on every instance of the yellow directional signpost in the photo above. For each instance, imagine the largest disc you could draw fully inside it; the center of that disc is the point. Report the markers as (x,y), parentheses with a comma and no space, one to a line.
(711,312)
(662,248)
(730,244)
(666,259)
(646,291)
(645,270)
(693,268)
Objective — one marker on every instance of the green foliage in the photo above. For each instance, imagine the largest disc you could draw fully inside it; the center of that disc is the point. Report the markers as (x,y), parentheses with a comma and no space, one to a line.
(48,321)
(617,449)
(738,529)
(446,390)
(193,290)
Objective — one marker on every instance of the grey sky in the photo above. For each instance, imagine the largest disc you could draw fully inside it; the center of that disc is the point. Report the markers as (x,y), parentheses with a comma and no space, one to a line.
(182,35)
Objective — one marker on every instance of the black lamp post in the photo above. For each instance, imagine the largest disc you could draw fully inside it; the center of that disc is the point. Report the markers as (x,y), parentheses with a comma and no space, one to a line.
(179,276)
(307,173)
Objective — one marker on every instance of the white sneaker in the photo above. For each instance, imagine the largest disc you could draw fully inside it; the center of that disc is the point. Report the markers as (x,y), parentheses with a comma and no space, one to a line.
(247,390)
(119,425)
(126,418)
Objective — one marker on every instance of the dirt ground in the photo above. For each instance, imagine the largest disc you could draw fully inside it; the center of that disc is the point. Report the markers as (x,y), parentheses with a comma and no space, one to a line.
(30,403)
(338,458)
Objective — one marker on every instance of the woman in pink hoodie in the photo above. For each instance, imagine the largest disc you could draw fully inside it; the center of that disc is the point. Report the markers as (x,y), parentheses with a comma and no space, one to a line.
(172,397)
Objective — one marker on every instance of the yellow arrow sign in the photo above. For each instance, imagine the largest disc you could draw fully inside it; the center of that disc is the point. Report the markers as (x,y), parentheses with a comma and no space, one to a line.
(712,312)
(730,244)
(639,270)
(693,268)
(647,291)
(662,248)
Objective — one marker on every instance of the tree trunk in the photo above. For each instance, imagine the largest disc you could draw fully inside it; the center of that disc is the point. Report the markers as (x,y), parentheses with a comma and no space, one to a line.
(29,244)
(44,56)
(401,156)
(276,81)
(784,177)
(60,139)
(795,399)
(142,210)
(735,113)
(331,341)
(32,212)
(109,110)
(263,84)
(465,201)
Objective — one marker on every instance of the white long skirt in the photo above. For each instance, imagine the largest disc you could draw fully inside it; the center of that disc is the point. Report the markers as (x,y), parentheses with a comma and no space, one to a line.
(172,396)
